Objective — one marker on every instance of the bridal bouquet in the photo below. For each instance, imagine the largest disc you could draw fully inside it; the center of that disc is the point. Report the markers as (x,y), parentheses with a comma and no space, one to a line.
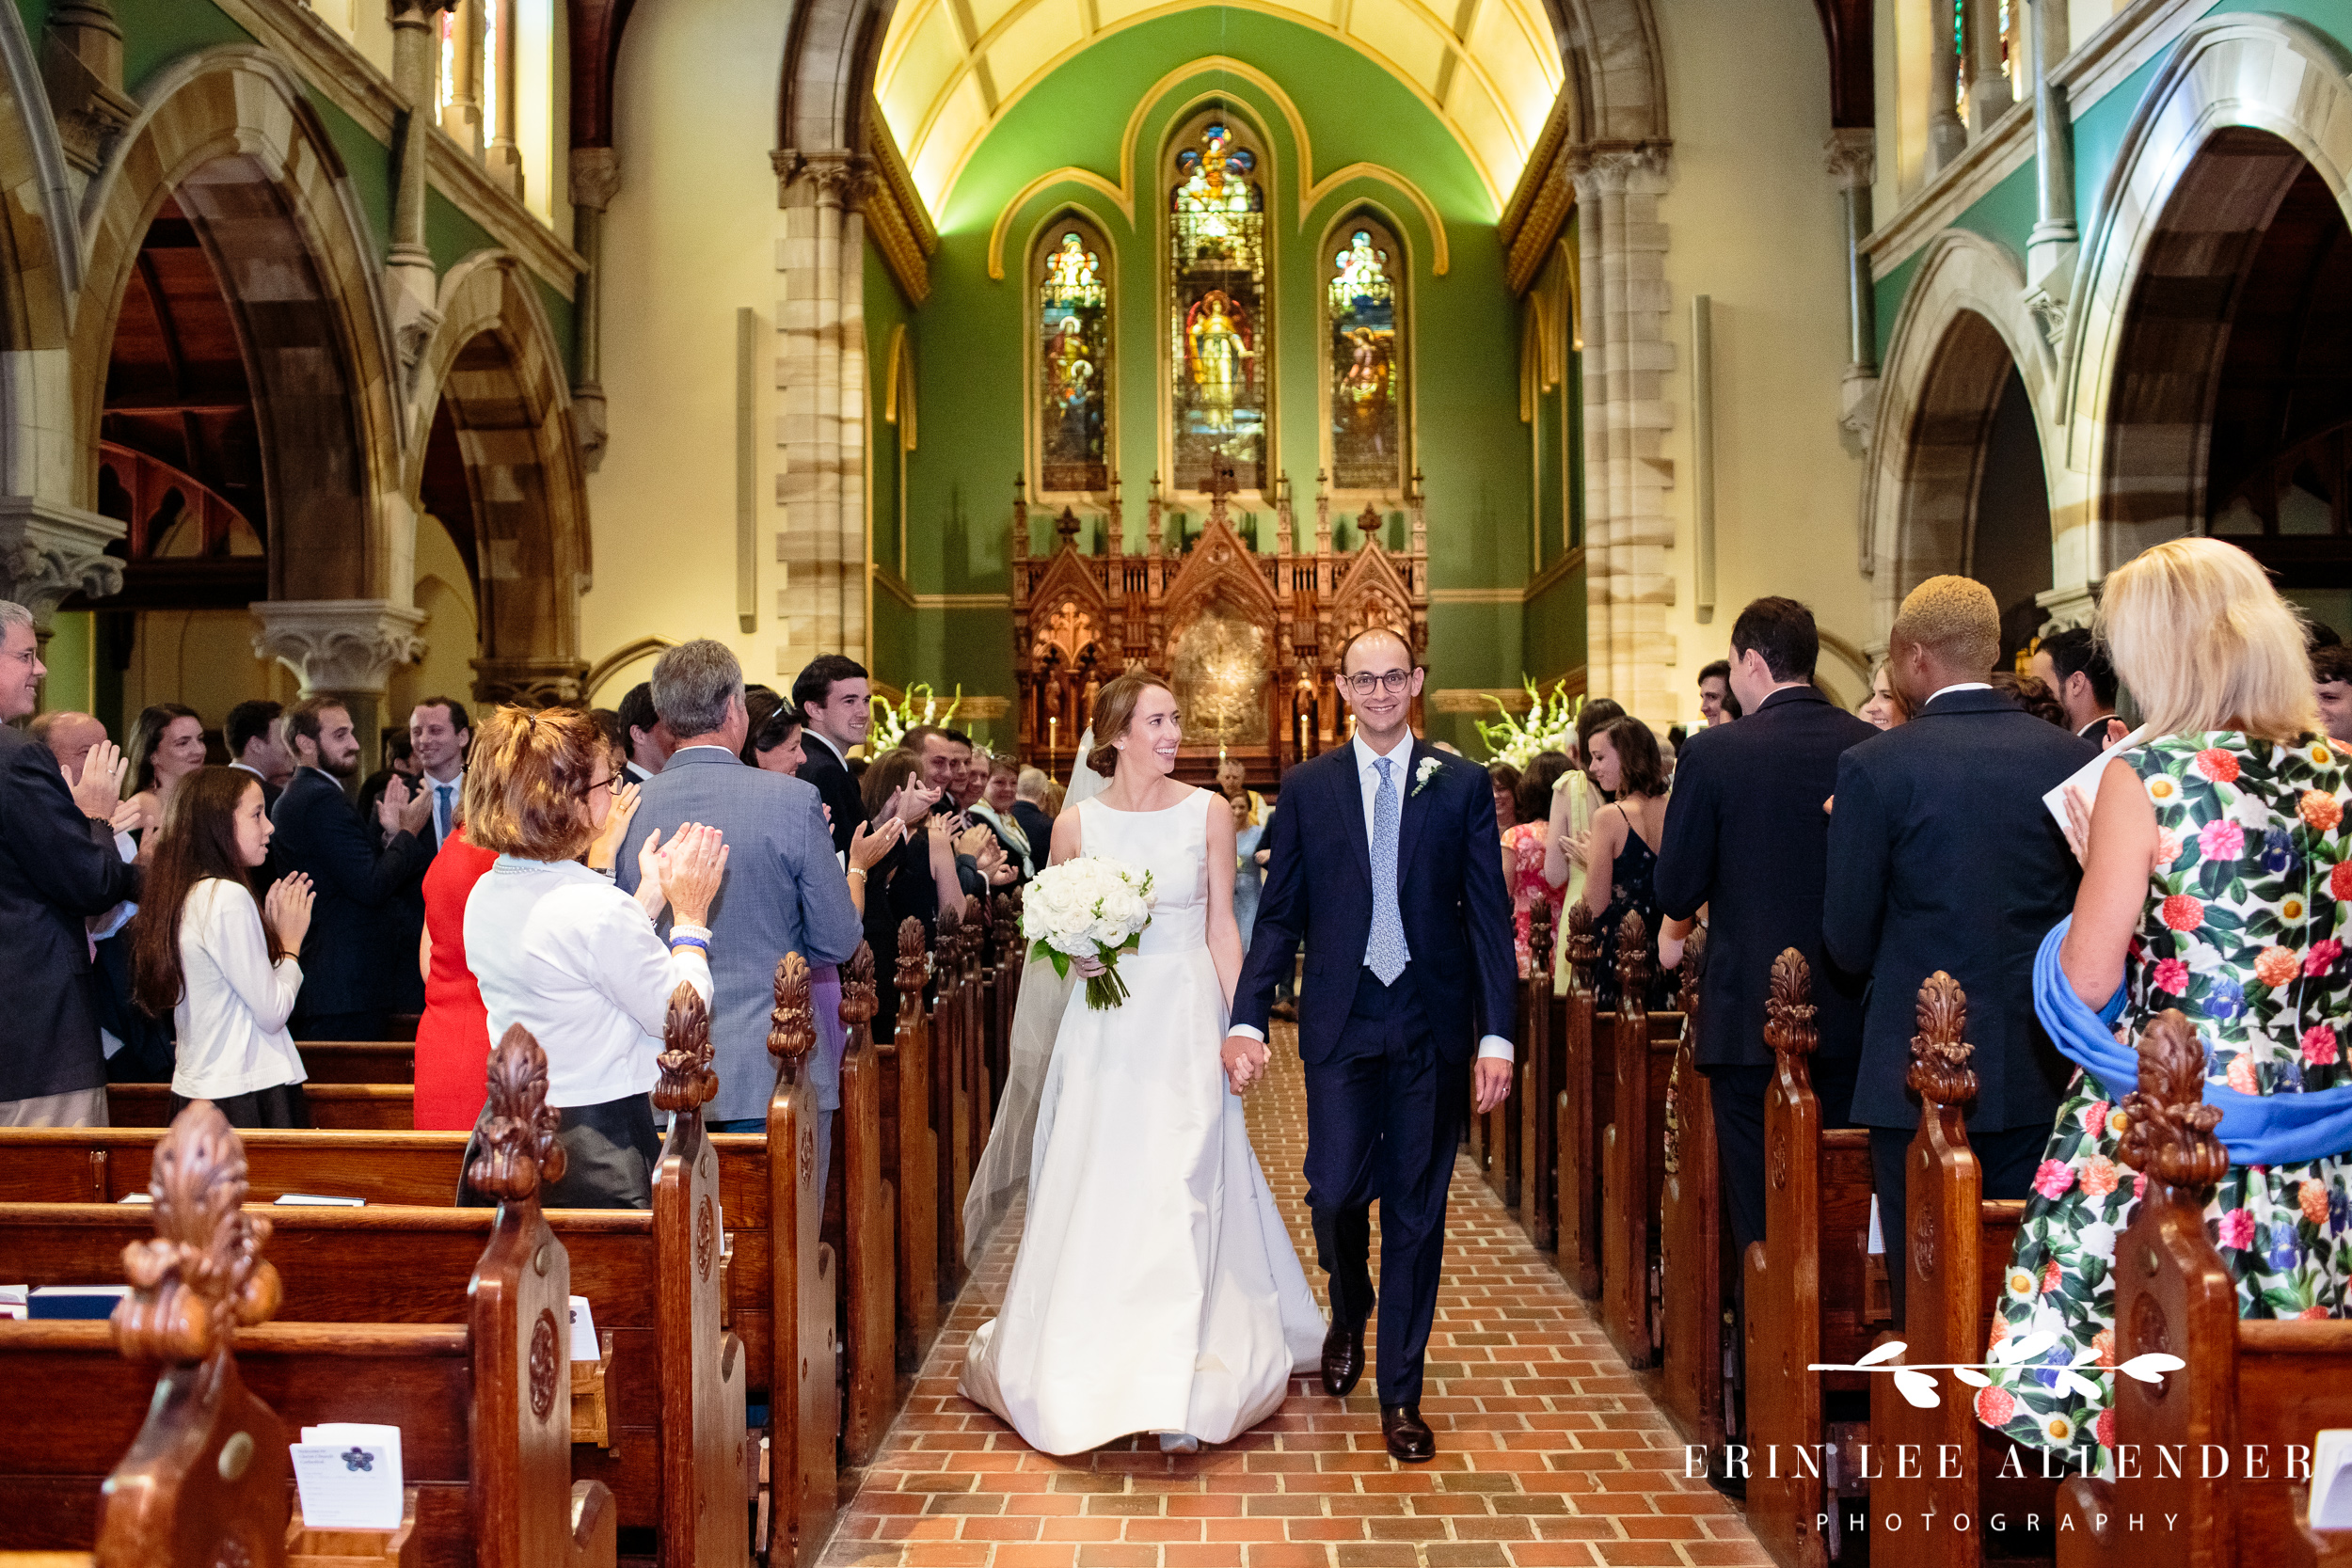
(1090,907)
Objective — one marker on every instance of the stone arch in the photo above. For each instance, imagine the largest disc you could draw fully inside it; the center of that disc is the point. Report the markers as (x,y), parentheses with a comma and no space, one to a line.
(231,136)
(2240,104)
(494,364)
(1963,329)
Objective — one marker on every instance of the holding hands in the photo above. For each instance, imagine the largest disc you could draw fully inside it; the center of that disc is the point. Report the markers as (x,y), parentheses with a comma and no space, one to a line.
(1245,1062)
(287,906)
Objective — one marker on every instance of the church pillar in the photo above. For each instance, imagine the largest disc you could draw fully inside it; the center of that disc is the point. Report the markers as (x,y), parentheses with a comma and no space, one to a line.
(461,117)
(49,550)
(596,180)
(1990,95)
(2051,249)
(81,68)
(1853,164)
(1947,136)
(343,648)
(821,372)
(1629,577)
(503,155)
(409,284)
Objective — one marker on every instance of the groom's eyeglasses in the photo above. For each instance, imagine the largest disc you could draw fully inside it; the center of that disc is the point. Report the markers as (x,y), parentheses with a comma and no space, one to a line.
(1366,683)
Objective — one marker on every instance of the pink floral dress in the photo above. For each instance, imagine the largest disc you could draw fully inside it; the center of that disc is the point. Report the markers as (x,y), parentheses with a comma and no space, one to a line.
(2243,931)
(1526,845)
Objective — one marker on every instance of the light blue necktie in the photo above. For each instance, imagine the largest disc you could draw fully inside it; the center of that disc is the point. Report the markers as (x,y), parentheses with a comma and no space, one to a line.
(440,813)
(1386,952)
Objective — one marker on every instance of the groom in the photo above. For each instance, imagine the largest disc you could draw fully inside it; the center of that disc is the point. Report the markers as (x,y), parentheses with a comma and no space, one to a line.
(1387,861)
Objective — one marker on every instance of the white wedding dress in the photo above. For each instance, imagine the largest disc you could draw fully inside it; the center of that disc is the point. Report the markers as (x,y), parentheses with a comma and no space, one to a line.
(1156,1288)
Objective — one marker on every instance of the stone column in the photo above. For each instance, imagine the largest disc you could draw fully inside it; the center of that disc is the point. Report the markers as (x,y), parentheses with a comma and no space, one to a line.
(1852,155)
(49,550)
(1947,136)
(343,648)
(81,68)
(1630,576)
(2050,250)
(504,157)
(596,180)
(1990,95)
(820,378)
(410,285)
(461,117)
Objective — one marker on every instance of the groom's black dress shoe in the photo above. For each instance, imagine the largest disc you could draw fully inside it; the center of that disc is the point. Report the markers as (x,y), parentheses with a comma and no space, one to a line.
(1410,1441)
(1342,1359)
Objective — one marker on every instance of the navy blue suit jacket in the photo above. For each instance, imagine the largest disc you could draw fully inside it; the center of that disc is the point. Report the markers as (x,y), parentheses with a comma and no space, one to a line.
(1449,891)
(1942,856)
(1746,836)
(354,949)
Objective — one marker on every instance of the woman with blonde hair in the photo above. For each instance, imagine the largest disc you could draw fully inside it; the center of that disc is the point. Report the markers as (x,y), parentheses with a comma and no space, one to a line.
(2213,870)
(561,950)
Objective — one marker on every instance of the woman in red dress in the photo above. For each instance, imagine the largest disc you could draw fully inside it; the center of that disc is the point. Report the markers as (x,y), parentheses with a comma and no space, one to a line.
(454,1034)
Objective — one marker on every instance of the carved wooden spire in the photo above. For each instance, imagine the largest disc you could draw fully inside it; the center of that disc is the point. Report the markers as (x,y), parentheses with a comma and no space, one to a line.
(950,945)
(1939,1057)
(792,1022)
(519,1152)
(203,1274)
(1539,940)
(1694,962)
(1634,960)
(857,988)
(686,1083)
(909,978)
(1583,946)
(1789,1013)
(2169,1133)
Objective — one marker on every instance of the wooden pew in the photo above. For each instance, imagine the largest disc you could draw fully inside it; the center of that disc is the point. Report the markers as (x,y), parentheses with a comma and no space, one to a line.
(1538,1090)
(1499,1138)
(805,1417)
(870,1223)
(911,1151)
(1955,1248)
(1633,1150)
(485,1443)
(1692,1236)
(1804,1280)
(1587,1095)
(358,1061)
(334,1107)
(2259,1387)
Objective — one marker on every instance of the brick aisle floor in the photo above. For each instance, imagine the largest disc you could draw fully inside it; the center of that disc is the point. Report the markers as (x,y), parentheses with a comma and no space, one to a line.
(1548,1452)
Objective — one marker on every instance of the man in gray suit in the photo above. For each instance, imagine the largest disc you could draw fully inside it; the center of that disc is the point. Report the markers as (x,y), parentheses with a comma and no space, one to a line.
(783,892)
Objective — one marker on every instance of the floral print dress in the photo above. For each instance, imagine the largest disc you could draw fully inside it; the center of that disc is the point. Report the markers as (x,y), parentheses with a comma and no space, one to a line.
(2244,933)
(1525,845)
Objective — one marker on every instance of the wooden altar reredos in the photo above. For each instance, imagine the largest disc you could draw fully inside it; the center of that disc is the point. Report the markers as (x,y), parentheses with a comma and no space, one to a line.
(1249,640)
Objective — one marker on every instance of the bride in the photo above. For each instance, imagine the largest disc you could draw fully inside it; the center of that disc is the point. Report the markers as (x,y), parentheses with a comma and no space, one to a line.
(1155,1288)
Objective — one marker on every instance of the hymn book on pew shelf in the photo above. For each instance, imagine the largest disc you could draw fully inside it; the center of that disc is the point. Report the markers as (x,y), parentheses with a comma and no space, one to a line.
(349,1476)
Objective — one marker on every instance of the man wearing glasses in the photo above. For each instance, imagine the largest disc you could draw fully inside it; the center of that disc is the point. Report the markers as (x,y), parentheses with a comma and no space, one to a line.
(1384,865)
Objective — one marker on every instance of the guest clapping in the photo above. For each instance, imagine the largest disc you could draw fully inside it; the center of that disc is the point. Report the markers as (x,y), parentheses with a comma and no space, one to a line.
(564,952)
(167,745)
(224,965)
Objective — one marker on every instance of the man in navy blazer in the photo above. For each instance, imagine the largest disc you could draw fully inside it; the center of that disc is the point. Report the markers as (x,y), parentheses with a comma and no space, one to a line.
(783,892)
(362,870)
(836,713)
(1385,861)
(58,867)
(1747,835)
(1942,856)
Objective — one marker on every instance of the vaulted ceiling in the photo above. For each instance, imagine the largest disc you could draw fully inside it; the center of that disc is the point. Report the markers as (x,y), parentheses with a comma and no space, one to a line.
(949,69)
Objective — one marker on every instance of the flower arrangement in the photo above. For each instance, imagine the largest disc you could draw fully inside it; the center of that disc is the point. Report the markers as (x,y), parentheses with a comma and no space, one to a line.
(1089,907)
(1550,727)
(920,705)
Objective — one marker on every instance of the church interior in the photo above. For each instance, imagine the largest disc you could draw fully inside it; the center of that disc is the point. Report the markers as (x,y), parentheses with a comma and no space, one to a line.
(380,349)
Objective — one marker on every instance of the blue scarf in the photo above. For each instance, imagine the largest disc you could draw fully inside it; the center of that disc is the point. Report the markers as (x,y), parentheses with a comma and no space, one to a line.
(2286,1129)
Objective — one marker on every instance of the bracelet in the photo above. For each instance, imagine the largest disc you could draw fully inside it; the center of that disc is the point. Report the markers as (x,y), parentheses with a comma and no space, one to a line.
(858,871)
(698,942)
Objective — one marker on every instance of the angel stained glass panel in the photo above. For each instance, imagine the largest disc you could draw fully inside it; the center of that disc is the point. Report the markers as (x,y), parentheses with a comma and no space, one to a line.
(1216,310)
(1365,389)
(1073,360)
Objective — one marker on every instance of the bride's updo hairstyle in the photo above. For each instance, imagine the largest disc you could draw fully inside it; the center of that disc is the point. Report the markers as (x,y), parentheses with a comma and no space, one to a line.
(2205,642)
(1114,710)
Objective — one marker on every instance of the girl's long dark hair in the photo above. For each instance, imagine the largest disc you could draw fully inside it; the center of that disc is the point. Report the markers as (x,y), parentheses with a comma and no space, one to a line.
(198,840)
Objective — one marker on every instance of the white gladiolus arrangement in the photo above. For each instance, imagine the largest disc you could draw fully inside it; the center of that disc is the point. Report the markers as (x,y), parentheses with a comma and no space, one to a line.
(1090,906)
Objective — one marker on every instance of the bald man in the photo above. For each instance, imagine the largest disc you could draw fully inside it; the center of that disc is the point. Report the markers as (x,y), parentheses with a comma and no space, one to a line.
(70,735)
(1982,875)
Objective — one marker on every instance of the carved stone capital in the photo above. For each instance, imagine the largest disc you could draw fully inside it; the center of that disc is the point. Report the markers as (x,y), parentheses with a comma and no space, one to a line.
(48,551)
(81,68)
(530,682)
(835,178)
(338,645)
(1852,156)
(2067,608)
(416,13)
(1858,411)
(595,177)
(409,288)
(591,424)
(1613,168)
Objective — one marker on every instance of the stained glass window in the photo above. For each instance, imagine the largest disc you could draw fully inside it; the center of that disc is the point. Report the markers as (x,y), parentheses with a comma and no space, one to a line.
(1073,360)
(1362,280)
(1216,315)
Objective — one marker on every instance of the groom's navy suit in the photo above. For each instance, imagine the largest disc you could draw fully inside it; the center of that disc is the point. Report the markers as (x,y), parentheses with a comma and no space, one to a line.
(1387,1065)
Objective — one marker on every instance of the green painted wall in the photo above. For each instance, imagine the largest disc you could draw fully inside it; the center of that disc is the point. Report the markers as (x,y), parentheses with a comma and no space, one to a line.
(68,656)
(886,311)
(1463,328)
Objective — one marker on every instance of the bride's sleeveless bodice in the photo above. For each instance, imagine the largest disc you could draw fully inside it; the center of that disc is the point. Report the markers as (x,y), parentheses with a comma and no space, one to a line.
(1173,846)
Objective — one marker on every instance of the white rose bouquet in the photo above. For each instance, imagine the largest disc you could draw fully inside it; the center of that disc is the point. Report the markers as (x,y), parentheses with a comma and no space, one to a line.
(1089,907)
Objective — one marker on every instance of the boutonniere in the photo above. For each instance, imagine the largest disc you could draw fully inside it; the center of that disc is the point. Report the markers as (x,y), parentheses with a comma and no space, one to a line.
(1421,775)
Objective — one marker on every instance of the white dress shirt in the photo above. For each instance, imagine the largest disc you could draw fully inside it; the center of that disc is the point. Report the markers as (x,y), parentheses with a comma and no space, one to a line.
(1368,781)
(571,957)
(234,1003)
(1960,686)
